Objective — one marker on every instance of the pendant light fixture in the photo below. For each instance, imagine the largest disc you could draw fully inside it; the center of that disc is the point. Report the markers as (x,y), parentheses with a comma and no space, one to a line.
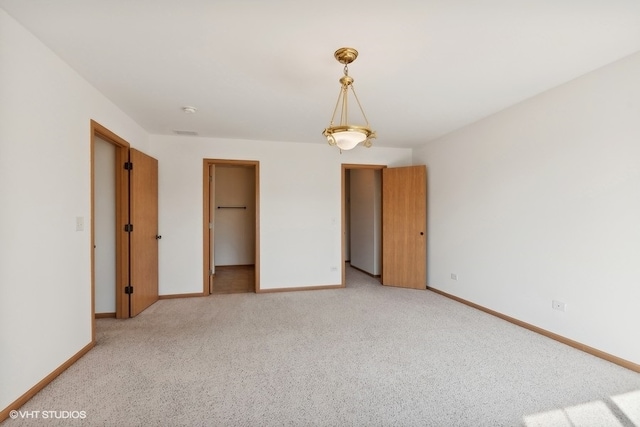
(345,135)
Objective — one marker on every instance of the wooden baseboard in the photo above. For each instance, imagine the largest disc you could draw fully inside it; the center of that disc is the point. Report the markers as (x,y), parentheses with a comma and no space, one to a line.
(4,414)
(232,266)
(302,288)
(575,344)
(105,315)
(375,276)
(172,296)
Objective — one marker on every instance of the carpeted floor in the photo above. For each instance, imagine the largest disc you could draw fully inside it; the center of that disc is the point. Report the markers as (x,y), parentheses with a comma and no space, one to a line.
(366,355)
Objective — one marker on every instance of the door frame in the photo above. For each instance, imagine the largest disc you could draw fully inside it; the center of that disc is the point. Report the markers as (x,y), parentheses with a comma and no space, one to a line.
(206,215)
(345,167)
(121,202)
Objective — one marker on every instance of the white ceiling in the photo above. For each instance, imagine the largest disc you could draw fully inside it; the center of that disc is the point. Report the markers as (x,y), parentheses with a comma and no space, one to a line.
(264,70)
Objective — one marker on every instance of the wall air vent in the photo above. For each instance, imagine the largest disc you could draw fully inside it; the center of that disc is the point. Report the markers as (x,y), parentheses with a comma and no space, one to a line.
(185,132)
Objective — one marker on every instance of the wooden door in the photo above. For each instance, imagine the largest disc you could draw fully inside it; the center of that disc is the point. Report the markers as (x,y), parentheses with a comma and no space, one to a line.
(143,239)
(404,222)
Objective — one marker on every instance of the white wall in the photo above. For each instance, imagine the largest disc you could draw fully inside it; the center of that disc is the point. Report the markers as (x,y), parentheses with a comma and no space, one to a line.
(300,207)
(104,222)
(542,202)
(45,264)
(366,219)
(234,228)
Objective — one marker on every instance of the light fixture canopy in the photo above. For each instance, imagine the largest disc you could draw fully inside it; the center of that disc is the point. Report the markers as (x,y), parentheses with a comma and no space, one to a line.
(345,135)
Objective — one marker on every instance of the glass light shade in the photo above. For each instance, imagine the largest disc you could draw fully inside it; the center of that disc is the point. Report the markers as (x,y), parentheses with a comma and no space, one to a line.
(346,140)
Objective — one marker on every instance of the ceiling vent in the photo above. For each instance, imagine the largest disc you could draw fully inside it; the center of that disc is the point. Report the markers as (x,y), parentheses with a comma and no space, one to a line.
(185,132)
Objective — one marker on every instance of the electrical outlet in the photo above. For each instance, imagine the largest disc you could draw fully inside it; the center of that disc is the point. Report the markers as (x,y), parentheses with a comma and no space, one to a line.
(454,276)
(79,223)
(558,305)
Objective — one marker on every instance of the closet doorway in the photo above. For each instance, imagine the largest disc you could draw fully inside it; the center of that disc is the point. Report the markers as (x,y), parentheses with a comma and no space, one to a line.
(231,226)
(362,217)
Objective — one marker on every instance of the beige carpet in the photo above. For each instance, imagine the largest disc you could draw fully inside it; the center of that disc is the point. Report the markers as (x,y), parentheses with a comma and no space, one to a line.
(366,355)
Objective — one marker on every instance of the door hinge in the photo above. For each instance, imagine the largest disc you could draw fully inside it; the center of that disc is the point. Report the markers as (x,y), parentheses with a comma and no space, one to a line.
(128,228)
(210,272)
(128,166)
(210,226)
(210,178)
(128,290)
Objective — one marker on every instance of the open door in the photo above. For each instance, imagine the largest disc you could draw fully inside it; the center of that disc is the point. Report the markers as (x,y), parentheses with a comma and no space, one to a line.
(136,226)
(143,232)
(404,222)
